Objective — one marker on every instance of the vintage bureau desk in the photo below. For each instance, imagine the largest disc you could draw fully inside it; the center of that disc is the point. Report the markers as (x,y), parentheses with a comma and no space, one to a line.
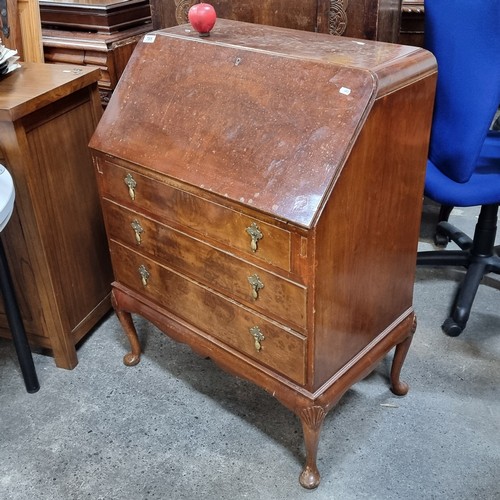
(55,242)
(262,190)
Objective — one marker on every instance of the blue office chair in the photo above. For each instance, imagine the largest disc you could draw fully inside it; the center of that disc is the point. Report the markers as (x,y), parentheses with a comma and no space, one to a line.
(463,168)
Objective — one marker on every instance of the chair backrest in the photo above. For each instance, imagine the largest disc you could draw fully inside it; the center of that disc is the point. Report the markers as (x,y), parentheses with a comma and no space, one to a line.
(464,35)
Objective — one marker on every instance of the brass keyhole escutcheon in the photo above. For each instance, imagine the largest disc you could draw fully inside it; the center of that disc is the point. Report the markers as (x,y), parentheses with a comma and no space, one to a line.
(258,337)
(136,226)
(131,184)
(144,274)
(255,235)
(256,285)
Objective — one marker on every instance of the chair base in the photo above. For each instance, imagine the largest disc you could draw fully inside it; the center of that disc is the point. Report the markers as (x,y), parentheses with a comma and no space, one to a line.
(479,256)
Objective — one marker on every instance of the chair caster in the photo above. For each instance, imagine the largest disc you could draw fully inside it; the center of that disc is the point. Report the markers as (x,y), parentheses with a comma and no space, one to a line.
(451,328)
(441,240)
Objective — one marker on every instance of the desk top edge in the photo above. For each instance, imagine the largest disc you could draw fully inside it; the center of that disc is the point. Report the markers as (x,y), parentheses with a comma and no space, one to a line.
(392,65)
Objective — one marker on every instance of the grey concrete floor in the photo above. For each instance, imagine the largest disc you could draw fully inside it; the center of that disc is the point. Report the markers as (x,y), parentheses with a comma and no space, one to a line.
(177,427)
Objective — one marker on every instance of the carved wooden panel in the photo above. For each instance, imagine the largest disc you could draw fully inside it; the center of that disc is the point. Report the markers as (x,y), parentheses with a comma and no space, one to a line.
(412,23)
(368,19)
(337,17)
(109,52)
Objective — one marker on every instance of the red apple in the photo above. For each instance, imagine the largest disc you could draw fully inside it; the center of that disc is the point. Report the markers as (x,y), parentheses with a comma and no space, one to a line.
(202,17)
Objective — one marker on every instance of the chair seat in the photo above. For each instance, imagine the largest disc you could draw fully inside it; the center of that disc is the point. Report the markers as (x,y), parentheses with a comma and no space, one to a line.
(7,196)
(482,188)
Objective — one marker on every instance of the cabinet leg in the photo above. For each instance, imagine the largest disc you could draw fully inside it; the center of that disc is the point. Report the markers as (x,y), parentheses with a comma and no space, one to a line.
(125,318)
(312,420)
(399,387)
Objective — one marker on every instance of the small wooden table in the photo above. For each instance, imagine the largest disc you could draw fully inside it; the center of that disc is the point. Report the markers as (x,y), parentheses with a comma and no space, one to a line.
(55,241)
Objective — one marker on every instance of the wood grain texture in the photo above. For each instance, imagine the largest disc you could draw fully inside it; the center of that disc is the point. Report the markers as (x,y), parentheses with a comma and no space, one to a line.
(220,270)
(33,86)
(31,31)
(25,30)
(55,244)
(339,212)
(109,52)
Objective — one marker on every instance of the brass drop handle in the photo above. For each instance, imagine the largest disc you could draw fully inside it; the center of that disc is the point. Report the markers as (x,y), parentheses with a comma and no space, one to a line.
(144,273)
(256,285)
(258,337)
(255,235)
(131,184)
(136,226)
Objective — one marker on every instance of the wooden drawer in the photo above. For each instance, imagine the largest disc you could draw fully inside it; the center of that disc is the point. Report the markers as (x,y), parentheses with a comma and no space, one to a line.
(206,218)
(281,349)
(278,297)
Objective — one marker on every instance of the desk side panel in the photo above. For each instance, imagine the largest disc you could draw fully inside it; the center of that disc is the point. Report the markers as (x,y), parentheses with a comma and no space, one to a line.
(67,204)
(368,234)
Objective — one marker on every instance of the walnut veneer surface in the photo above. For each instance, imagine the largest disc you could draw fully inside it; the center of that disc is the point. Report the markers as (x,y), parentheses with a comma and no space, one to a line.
(262,190)
(55,241)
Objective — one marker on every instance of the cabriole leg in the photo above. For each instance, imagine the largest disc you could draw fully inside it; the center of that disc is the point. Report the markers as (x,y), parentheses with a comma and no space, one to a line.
(312,420)
(399,387)
(125,318)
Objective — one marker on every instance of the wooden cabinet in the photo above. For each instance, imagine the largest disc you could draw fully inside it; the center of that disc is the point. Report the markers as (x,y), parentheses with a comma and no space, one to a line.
(21,28)
(109,52)
(55,241)
(98,16)
(370,19)
(262,191)
(100,33)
